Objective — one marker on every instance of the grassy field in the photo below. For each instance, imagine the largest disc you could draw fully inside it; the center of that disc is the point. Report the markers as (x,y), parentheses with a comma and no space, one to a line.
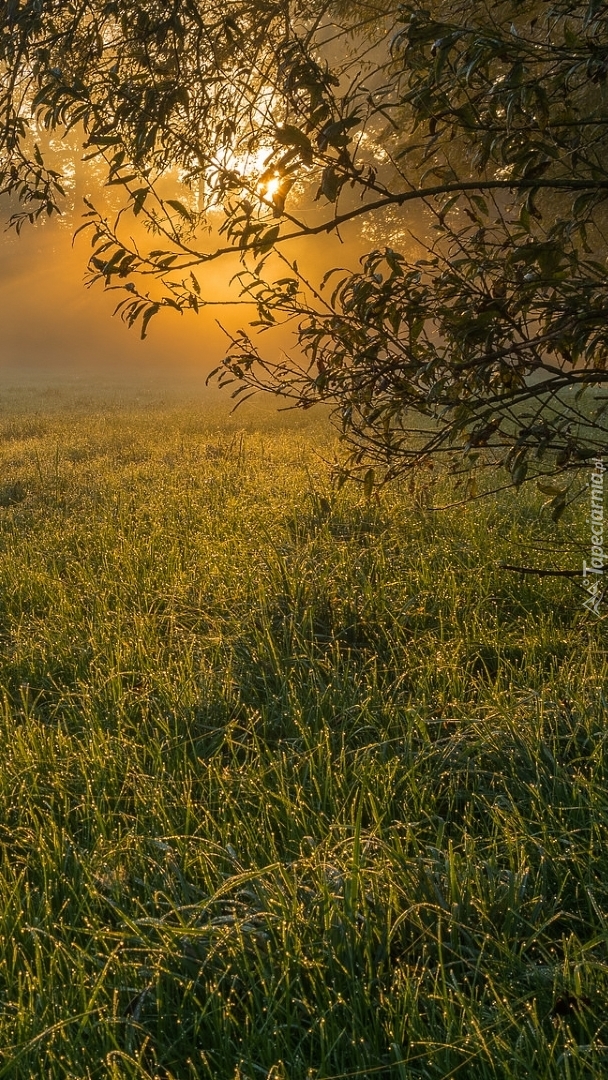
(293,786)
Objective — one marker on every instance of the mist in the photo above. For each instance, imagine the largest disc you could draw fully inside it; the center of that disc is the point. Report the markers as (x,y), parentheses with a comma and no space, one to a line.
(53,326)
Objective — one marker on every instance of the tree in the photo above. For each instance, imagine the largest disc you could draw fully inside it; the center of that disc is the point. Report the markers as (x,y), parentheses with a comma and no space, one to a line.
(481,338)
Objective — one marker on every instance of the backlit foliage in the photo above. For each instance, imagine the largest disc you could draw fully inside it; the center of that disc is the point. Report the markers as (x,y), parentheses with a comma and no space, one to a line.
(285,121)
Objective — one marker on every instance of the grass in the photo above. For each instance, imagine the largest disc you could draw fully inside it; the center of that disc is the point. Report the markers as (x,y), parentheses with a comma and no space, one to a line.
(294,786)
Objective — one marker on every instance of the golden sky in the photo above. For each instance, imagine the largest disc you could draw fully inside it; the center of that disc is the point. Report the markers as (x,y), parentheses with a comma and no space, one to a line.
(50,322)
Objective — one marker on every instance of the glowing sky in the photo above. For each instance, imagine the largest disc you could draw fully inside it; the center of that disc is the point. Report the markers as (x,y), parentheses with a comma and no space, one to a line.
(50,322)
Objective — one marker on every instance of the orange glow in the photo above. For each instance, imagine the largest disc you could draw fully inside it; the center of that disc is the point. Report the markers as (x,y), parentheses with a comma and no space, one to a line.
(268,188)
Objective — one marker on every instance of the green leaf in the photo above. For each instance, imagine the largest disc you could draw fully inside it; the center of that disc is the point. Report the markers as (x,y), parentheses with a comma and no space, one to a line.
(122,180)
(331,184)
(558,505)
(103,140)
(149,314)
(550,487)
(480,203)
(179,208)
(139,197)
(335,134)
(447,206)
(266,241)
(583,202)
(289,135)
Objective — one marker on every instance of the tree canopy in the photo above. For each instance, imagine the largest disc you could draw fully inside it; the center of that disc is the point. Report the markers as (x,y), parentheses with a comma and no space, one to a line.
(475,329)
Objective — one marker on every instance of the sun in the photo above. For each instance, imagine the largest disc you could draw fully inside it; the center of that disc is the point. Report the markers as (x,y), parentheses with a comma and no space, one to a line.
(268,179)
(259,176)
(268,187)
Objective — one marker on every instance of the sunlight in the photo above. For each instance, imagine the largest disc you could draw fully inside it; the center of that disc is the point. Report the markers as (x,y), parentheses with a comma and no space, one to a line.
(253,168)
(268,187)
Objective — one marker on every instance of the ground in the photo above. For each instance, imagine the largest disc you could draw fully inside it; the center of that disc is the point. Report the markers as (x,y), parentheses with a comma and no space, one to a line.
(294,785)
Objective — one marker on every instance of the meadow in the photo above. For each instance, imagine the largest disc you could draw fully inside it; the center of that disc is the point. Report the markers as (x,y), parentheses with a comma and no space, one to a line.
(294,785)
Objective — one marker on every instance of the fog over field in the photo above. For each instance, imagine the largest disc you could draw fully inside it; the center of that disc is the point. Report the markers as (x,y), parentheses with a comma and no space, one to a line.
(52,324)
